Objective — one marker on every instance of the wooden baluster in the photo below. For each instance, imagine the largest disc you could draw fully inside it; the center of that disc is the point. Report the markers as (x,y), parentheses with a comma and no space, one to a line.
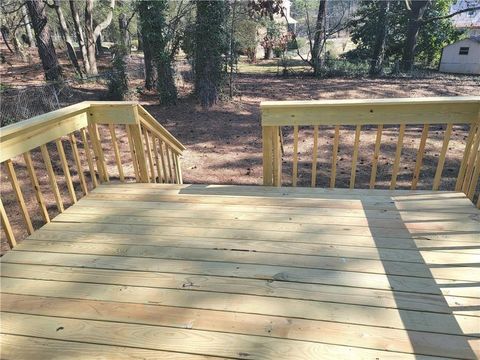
(174,170)
(98,151)
(471,161)
(66,170)
(36,186)
(157,158)
(295,156)
(420,154)
(51,178)
(179,169)
(18,192)
(356,145)
(164,164)
(136,135)
(441,160)
(132,153)
(334,156)
(149,154)
(7,227)
(398,154)
(474,179)
(169,164)
(466,154)
(88,154)
(267,139)
(315,155)
(277,156)
(116,151)
(78,163)
(376,154)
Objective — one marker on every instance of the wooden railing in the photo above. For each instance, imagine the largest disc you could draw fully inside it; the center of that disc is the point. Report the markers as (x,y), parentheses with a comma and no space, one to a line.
(382,113)
(155,153)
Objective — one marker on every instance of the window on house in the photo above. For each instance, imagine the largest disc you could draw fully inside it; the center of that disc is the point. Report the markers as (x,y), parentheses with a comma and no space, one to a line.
(463,50)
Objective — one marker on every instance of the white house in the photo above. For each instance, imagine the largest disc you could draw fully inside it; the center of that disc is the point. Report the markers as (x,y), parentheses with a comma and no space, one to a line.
(462,57)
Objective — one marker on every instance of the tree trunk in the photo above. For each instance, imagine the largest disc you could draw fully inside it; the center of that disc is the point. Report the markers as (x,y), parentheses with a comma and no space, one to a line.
(376,64)
(414,24)
(124,36)
(66,37)
(150,69)
(28,27)
(92,33)
(80,37)
(268,53)
(209,69)
(319,38)
(139,39)
(46,50)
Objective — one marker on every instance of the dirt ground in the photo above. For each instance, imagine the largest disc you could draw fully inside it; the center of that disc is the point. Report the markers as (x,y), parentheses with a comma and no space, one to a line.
(224,143)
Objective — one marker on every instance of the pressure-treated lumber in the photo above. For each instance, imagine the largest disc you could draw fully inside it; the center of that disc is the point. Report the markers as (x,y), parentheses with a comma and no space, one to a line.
(116,151)
(52,179)
(88,154)
(334,156)
(398,154)
(66,170)
(314,159)
(18,193)
(441,160)
(78,163)
(381,273)
(355,156)
(36,186)
(376,153)
(7,228)
(420,154)
(295,156)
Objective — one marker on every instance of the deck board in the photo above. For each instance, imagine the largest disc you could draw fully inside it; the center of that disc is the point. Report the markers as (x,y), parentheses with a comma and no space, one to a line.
(194,271)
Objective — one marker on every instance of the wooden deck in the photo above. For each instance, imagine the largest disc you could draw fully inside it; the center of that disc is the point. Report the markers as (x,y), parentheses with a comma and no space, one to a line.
(157,271)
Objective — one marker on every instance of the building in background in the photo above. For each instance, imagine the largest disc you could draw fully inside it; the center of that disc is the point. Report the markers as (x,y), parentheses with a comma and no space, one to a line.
(461,57)
(468,21)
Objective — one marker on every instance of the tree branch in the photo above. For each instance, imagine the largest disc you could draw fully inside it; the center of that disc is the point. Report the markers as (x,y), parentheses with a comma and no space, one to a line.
(452,14)
(104,24)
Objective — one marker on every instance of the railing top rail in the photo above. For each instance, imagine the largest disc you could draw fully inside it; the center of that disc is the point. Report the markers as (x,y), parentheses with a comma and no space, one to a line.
(25,135)
(368,102)
(43,119)
(431,110)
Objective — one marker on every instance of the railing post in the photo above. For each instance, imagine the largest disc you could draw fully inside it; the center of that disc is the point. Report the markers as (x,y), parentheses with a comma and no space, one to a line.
(139,148)
(267,139)
(272,156)
(97,148)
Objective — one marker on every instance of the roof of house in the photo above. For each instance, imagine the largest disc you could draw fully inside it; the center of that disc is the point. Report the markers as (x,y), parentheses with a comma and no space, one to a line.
(473,38)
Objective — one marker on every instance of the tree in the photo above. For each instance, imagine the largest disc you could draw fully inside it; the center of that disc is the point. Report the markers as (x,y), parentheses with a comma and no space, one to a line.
(319,37)
(159,46)
(46,50)
(435,32)
(376,63)
(92,33)
(415,16)
(65,34)
(80,36)
(209,50)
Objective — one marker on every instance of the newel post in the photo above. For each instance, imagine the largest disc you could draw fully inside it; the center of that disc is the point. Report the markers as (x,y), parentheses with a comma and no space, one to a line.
(272,156)
(136,132)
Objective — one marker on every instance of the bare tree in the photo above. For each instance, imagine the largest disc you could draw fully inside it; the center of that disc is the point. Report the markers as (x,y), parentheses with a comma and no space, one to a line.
(376,64)
(80,37)
(92,33)
(46,50)
(319,37)
(65,34)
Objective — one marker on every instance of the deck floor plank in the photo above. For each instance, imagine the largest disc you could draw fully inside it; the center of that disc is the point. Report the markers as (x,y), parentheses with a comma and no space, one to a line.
(180,271)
